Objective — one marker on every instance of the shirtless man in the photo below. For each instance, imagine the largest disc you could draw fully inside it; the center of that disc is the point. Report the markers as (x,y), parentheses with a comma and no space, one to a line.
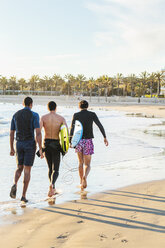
(51,123)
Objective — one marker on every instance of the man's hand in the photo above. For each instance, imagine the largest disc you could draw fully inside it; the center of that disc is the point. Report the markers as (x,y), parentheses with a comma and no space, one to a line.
(41,154)
(12,152)
(106,141)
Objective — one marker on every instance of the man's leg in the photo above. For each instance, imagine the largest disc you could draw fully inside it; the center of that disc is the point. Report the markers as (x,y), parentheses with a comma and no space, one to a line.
(27,174)
(81,162)
(48,155)
(87,162)
(18,173)
(55,169)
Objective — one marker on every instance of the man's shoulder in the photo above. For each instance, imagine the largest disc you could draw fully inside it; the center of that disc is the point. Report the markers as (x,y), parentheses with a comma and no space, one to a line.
(19,111)
(35,114)
(59,116)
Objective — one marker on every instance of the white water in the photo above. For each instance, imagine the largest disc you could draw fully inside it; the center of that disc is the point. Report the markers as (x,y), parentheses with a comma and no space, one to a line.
(133,156)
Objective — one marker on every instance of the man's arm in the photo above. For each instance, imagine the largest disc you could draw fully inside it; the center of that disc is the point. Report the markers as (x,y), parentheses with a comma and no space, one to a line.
(12,131)
(100,126)
(41,123)
(12,151)
(37,128)
(39,140)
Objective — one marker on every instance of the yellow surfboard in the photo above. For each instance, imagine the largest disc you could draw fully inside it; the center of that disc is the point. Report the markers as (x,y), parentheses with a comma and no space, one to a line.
(64,138)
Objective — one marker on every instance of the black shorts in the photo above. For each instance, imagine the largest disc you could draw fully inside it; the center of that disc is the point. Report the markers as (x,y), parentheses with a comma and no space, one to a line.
(25,152)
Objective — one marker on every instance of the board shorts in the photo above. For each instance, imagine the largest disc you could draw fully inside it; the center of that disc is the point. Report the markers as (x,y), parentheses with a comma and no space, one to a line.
(85,146)
(25,152)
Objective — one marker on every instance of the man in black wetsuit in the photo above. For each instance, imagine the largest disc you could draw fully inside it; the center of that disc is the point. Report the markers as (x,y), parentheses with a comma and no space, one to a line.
(24,122)
(85,147)
(51,123)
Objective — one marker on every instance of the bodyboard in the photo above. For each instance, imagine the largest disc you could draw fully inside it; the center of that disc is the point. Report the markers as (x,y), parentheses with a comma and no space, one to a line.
(77,134)
(64,138)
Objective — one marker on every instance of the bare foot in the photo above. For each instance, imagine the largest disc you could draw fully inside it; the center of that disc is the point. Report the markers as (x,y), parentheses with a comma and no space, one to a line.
(50,192)
(81,187)
(54,191)
(84,183)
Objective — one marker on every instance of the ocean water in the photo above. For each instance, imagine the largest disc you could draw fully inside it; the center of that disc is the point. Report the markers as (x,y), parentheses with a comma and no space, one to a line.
(135,154)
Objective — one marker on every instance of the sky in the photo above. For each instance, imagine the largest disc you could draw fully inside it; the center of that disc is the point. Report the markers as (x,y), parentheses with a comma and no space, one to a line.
(90,37)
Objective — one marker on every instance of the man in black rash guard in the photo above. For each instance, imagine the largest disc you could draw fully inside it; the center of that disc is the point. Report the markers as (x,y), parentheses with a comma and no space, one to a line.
(85,147)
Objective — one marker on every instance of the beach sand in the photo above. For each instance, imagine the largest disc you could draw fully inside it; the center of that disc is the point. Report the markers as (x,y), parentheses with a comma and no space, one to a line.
(130,217)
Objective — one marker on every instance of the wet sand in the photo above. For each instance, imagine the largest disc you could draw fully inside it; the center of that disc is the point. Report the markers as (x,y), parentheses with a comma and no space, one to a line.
(130,217)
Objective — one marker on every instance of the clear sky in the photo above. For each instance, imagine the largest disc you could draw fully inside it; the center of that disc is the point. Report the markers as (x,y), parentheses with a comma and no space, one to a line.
(90,37)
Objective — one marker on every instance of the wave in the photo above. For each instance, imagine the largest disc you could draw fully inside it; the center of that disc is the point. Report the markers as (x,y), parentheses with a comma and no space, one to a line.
(4,122)
(4,132)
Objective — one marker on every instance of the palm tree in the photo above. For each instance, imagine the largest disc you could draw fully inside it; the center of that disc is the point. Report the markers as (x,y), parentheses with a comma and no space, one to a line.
(13,83)
(152,80)
(71,81)
(81,81)
(118,77)
(91,84)
(3,84)
(144,77)
(132,82)
(33,81)
(159,76)
(22,83)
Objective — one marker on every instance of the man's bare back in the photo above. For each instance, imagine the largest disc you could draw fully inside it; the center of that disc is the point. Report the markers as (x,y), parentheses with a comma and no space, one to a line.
(51,123)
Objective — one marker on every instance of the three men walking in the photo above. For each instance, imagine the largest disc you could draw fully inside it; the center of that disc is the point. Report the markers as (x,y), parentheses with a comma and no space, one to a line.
(25,122)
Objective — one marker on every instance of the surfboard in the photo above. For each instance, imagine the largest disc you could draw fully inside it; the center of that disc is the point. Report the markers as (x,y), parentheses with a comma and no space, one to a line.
(64,138)
(77,134)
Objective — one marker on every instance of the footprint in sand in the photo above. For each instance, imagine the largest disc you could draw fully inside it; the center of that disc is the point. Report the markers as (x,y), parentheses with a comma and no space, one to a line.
(80,221)
(117,236)
(133,216)
(63,236)
(124,240)
(102,237)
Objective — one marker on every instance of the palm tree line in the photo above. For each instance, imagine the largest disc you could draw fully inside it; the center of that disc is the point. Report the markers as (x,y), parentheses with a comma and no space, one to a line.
(119,85)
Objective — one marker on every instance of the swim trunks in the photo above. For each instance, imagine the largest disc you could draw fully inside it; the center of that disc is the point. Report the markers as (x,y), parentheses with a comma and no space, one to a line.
(85,146)
(25,152)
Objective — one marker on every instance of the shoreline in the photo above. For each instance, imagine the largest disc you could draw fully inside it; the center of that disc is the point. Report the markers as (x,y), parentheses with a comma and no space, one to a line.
(130,216)
(133,215)
(147,109)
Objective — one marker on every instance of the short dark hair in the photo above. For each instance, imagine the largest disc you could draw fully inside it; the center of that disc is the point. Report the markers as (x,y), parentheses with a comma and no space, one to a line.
(28,101)
(52,105)
(83,104)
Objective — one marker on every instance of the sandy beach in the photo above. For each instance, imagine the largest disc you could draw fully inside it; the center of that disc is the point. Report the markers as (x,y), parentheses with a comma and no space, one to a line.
(130,217)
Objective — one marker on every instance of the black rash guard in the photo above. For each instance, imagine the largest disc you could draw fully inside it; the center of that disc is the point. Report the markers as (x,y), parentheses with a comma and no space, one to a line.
(86,118)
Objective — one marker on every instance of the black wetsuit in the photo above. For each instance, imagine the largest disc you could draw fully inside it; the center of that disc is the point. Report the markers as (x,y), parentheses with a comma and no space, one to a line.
(52,154)
(86,118)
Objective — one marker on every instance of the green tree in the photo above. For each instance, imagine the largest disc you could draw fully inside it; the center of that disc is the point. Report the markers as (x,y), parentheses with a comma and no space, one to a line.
(22,83)
(118,80)
(33,82)
(144,78)
(159,76)
(3,84)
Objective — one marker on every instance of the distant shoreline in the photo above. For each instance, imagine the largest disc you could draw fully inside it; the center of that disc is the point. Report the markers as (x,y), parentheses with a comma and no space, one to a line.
(148,109)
